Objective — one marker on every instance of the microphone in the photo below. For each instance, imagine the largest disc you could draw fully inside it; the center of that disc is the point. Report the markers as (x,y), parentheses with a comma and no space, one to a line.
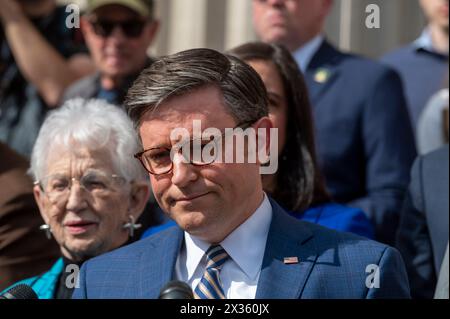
(176,290)
(19,292)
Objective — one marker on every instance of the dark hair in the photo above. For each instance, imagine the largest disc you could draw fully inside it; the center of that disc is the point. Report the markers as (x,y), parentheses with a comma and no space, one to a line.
(243,90)
(299,181)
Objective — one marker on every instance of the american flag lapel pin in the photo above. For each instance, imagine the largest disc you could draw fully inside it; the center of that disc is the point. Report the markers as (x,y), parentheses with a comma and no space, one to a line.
(290,260)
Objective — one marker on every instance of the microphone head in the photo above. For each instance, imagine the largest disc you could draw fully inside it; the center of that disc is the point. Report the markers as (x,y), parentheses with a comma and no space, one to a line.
(20,292)
(176,290)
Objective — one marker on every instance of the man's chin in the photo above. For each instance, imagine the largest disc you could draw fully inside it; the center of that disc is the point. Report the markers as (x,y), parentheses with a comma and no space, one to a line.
(275,35)
(117,70)
(189,221)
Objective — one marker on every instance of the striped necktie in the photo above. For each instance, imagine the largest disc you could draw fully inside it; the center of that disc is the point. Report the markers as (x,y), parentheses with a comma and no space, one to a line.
(210,286)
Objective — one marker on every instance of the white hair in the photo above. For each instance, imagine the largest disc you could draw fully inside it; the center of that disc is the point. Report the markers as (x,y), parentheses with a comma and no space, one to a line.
(94,124)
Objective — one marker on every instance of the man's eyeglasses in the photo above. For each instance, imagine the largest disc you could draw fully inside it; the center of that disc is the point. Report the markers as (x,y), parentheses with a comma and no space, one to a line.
(57,186)
(131,28)
(198,152)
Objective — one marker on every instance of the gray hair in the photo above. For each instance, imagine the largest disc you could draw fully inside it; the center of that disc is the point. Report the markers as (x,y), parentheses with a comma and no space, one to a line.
(243,90)
(94,124)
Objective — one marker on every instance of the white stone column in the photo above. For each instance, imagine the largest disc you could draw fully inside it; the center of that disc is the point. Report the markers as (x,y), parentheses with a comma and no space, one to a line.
(345,25)
(238,26)
(187,27)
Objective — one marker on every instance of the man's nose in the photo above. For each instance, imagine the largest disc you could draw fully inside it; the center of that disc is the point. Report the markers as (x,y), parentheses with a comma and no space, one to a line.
(117,35)
(182,173)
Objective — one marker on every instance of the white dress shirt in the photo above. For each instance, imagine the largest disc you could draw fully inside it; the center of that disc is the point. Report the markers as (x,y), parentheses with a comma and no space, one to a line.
(305,53)
(245,246)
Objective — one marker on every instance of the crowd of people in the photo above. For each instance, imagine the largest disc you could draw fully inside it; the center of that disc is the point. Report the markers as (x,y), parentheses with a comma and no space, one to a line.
(92,176)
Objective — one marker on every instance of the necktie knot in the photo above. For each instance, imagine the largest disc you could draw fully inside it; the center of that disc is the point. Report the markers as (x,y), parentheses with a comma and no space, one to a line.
(216,256)
(210,286)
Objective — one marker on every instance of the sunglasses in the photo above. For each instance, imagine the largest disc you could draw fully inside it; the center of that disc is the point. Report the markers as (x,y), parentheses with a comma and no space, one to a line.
(131,28)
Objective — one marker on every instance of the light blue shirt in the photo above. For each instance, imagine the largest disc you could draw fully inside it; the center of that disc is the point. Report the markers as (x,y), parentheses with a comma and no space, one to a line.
(425,42)
(304,54)
(245,246)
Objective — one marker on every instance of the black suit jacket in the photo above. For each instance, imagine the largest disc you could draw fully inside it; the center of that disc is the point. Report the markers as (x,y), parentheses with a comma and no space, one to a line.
(364,138)
(423,233)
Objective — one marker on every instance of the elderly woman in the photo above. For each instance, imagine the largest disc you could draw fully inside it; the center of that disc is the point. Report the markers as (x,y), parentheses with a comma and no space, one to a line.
(299,184)
(88,187)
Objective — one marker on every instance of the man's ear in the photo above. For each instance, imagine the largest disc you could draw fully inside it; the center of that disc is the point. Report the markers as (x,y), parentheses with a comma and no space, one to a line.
(152,31)
(40,199)
(263,132)
(327,6)
(139,195)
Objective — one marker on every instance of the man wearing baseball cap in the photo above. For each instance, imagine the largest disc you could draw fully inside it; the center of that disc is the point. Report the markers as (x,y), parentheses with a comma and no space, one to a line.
(118,34)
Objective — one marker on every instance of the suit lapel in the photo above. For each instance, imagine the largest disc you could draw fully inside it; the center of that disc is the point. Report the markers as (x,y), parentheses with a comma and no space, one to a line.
(322,71)
(158,263)
(279,279)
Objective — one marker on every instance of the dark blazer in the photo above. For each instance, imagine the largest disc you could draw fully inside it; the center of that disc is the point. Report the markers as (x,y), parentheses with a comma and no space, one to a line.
(422,73)
(332,265)
(364,137)
(423,233)
(24,250)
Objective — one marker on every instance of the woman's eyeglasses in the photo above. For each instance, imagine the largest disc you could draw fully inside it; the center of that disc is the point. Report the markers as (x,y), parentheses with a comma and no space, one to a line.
(57,186)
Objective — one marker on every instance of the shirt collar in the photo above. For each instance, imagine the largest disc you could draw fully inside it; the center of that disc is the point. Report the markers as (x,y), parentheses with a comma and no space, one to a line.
(425,41)
(305,53)
(245,245)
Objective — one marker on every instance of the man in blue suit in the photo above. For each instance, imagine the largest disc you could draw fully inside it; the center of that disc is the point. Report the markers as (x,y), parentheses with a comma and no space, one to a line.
(423,64)
(231,240)
(422,237)
(363,134)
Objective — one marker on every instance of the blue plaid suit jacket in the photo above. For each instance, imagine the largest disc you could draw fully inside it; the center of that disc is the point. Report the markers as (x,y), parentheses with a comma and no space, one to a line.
(331,264)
